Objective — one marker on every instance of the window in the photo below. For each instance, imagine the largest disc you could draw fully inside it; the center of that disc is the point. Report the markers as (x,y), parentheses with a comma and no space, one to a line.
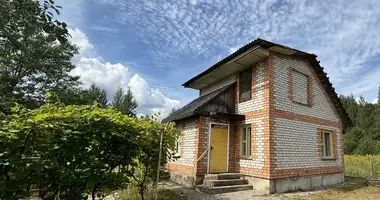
(245,84)
(300,84)
(245,141)
(327,144)
(177,151)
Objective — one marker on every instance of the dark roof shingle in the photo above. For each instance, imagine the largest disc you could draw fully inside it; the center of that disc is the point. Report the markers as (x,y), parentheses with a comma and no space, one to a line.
(191,108)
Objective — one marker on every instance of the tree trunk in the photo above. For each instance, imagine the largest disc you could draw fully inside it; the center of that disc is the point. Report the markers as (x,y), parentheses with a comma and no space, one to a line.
(93,193)
(141,190)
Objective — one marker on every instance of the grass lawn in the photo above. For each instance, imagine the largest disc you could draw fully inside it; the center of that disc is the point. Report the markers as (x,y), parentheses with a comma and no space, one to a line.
(354,189)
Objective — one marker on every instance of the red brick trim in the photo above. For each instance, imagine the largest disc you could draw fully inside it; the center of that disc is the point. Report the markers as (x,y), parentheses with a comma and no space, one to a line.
(180,168)
(201,144)
(304,118)
(310,92)
(269,102)
(253,172)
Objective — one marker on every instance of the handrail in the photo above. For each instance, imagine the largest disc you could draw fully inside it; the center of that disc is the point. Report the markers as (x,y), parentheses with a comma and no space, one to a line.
(203,155)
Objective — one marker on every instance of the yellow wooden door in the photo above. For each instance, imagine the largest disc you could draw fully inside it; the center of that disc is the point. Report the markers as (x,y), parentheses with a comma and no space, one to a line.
(218,154)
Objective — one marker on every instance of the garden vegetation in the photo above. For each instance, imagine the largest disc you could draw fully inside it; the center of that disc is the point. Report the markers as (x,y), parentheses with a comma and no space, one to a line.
(59,140)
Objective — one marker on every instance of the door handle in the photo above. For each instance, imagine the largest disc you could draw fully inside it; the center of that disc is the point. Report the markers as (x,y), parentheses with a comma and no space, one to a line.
(211,148)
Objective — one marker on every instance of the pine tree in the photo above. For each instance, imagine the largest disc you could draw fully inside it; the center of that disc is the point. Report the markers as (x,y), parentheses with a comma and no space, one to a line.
(96,95)
(125,103)
(174,109)
(129,103)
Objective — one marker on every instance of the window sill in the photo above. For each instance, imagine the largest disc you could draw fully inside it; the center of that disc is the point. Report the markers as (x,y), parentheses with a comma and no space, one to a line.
(245,158)
(328,158)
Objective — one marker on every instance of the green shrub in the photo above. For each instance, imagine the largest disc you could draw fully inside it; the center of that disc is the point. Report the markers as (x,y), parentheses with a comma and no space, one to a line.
(75,150)
(360,166)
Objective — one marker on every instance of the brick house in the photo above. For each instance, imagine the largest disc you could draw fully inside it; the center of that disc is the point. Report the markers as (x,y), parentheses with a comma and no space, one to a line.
(266,112)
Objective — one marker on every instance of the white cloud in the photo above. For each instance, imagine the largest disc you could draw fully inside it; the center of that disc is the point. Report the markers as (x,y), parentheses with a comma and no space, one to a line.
(111,76)
(80,39)
(193,2)
(361,85)
(344,34)
(375,100)
(233,49)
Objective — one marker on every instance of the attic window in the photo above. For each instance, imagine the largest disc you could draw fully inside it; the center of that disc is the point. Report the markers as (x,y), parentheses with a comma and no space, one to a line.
(300,87)
(245,84)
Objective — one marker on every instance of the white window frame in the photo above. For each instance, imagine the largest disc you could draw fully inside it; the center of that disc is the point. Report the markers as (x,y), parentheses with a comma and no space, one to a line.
(247,141)
(177,151)
(324,152)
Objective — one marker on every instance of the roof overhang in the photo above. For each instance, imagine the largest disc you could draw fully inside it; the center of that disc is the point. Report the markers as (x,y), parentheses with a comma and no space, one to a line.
(240,62)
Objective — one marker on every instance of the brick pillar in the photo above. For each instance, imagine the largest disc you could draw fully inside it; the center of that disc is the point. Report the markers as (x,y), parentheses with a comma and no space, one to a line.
(201,143)
(269,151)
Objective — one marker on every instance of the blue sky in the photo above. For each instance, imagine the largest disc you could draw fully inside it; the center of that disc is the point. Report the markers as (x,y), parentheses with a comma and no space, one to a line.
(155,46)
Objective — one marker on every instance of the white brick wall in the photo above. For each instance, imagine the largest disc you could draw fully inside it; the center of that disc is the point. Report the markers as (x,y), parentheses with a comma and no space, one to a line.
(224,82)
(257,137)
(188,144)
(321,107)
(296,145)
(257,102)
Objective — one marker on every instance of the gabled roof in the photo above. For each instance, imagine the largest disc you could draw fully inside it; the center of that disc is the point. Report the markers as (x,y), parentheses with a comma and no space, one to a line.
(312,58)
(194,107)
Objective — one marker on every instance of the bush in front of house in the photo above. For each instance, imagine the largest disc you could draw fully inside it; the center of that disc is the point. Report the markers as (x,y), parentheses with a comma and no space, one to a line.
(68,152)
(361,166)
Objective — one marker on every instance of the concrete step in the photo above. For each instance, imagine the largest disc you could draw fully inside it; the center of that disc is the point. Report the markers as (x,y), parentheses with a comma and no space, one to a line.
(223,189)
(223,176)
(217,183)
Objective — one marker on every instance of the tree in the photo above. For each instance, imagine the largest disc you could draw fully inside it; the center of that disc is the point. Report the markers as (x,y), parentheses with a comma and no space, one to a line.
(96,95)
(69,151)
(364,137)
(35,54)
(125,103)
(174,109)
(351,106)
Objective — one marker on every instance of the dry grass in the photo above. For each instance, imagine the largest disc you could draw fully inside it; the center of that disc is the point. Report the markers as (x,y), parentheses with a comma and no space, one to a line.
(131,193)
(359,194)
